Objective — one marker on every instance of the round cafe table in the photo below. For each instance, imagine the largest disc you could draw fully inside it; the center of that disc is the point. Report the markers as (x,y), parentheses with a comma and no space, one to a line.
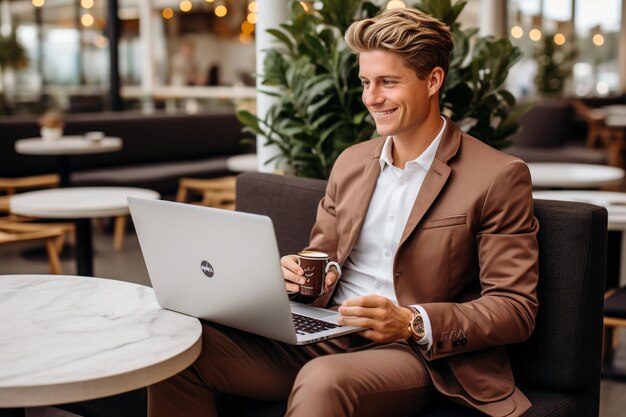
(66,147)
(65,339)
(79,204)
(570,175)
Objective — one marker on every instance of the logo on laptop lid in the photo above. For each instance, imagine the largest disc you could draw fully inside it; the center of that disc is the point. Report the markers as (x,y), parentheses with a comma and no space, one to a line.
(207,269)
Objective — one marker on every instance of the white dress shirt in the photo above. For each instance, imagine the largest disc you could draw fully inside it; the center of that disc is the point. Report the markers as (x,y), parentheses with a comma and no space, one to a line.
(369,268)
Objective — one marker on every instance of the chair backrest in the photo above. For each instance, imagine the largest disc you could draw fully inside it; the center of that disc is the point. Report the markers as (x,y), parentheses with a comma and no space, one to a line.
(563,354)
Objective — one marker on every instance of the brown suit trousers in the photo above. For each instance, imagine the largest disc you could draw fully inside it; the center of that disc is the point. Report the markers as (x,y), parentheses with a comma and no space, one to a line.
(342,377)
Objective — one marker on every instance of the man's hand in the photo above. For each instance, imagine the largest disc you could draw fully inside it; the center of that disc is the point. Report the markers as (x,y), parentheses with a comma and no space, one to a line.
(294,275)
(386,322)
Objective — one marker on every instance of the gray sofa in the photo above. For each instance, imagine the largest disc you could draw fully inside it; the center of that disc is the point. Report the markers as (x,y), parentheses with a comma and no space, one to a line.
(158,148)
(558,368)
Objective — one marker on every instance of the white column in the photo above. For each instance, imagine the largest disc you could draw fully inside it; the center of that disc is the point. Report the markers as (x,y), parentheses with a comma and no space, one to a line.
(5,15)
(621,55)
(492,18)
(270,14)
(147,52)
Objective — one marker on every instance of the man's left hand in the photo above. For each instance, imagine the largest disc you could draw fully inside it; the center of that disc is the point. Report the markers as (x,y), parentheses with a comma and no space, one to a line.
(386,322)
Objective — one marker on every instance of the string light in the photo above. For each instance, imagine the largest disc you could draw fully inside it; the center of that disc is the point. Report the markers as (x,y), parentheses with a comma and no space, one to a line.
(598,39)
(251,18)
(395,4)
(559,39)
(185,5)
(167,13)
(534,34)
(87,20)
(253,7)
(245,38)
(221,11)
(247,27)
(86,4)
(517,32)
(38,3)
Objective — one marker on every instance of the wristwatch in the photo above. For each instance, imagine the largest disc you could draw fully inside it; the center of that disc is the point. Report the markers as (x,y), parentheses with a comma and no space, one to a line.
(416,325)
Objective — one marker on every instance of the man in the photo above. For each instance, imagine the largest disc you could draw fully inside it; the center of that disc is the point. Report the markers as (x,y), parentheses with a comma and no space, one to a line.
(436,235)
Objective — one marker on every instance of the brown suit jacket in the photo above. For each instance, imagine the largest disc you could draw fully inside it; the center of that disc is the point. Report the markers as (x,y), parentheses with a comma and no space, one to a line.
(468,255)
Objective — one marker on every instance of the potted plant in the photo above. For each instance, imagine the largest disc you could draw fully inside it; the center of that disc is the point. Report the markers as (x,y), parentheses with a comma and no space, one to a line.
(12,56)
(555,65)
(319,111)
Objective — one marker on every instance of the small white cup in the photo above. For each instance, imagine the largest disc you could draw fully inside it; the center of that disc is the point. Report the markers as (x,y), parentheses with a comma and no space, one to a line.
(51,134)
(94,137)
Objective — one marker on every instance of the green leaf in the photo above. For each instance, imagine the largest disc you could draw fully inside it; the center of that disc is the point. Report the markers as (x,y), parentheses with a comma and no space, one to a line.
(250,120)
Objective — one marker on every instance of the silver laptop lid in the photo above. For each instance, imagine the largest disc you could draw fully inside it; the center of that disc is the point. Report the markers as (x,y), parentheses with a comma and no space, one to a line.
(214,264)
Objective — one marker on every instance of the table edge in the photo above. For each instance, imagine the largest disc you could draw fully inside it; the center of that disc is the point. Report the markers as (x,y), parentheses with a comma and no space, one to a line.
(68,392)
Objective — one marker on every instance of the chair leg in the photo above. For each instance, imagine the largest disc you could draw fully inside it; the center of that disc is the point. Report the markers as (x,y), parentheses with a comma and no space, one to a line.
(181,195)
(118,233)
(60,242)
(53,256)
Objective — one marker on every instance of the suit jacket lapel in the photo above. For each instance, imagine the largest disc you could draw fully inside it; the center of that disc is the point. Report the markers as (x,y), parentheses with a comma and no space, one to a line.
(361,204)
(436,177)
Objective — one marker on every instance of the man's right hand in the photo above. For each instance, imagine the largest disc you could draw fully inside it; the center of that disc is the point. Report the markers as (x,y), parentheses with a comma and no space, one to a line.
(294,275)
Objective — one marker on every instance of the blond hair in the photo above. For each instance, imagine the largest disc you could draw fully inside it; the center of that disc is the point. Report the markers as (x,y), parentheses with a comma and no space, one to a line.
(421,40)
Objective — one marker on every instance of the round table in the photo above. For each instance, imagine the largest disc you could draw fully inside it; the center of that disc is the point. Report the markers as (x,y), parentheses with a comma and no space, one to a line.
(570,175)
(79,204)
(66,339)
(242,163)
(64,148)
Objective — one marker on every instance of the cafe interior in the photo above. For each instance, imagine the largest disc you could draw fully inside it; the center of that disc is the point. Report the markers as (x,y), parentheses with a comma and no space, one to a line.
(245,105)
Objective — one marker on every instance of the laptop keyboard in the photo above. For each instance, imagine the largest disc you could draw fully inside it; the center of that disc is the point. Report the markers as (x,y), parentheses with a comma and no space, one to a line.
(308,325)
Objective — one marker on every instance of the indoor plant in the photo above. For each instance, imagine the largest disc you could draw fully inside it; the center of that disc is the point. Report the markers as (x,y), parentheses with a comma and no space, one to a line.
(12,56)
(319,110)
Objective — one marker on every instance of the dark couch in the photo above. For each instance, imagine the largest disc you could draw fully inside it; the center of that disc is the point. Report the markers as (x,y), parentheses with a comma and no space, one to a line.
(158,148)
(558,368)
(553,132)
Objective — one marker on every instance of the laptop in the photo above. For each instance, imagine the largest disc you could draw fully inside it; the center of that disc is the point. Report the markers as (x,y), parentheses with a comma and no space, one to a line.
(224,266)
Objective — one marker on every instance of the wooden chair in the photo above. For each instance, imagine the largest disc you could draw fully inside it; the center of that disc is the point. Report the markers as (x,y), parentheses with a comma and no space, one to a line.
(214,192)
(11,233)
(614,319)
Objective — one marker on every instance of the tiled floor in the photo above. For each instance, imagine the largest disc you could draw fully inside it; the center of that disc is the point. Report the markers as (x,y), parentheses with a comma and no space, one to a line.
(129,266)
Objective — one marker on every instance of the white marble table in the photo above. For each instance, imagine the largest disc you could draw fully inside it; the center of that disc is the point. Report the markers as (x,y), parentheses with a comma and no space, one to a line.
(570,175)
(66,339)
(242,163)
(79,204)
(615,204)
(65,147)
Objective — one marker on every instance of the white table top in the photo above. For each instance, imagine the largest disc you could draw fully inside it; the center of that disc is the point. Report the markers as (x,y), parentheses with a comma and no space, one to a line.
(614,202)
(67,338)
(242,163)
(77,202)
(569,175)
(67,145)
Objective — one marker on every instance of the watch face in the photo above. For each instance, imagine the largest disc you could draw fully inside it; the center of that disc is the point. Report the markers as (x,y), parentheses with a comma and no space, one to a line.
(418,326)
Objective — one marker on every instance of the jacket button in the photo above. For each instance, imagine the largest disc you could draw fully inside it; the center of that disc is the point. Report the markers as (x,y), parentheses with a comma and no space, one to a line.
(464,341)
(455,342)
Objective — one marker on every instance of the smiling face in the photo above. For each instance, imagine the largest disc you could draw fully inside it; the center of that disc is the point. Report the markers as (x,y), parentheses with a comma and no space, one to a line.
(402,105)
